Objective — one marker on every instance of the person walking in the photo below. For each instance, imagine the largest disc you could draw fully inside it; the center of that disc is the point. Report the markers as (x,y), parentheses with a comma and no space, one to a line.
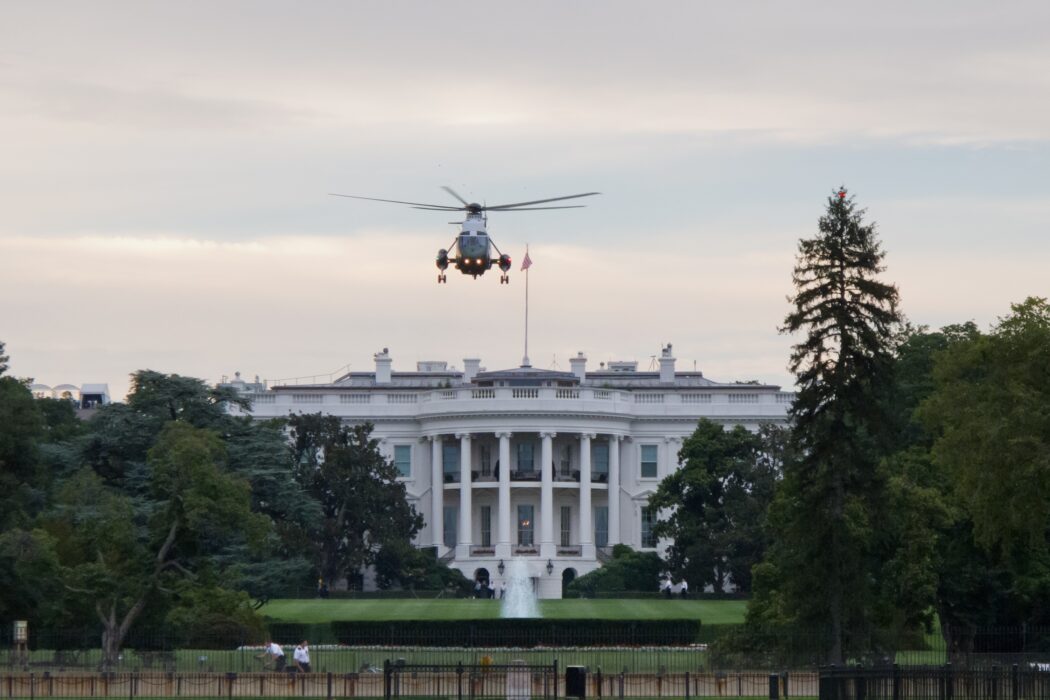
(492,589)
(301,656)
(502,589)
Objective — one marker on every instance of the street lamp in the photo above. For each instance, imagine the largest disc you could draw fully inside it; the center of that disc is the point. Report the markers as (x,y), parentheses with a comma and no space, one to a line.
(550,567)
(500,567)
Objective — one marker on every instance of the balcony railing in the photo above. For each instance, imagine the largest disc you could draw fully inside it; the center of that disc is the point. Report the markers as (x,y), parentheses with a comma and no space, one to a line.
(482,551)
(570,551)
(531,475)
(526,549)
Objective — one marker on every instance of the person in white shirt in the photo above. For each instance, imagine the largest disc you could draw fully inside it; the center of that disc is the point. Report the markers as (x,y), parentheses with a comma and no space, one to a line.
(302,657)
(275,652)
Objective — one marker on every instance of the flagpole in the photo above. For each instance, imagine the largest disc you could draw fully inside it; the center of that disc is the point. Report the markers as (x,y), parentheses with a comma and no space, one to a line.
(526,263)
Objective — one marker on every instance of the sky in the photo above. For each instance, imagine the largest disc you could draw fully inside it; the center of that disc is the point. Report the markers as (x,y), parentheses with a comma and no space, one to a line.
(165,170)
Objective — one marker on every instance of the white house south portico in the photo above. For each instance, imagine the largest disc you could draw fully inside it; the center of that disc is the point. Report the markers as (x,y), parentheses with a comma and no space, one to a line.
(553,467)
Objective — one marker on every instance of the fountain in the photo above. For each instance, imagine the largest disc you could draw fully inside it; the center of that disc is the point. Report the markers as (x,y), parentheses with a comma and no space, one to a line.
(519,600)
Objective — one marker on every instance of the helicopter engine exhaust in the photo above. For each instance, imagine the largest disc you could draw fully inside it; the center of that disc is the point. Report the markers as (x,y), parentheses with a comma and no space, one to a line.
(504,262)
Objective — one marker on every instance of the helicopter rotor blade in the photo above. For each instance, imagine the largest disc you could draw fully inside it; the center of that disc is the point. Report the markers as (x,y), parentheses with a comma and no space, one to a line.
(569,206)
(441,207)
(496,207)
(453,193)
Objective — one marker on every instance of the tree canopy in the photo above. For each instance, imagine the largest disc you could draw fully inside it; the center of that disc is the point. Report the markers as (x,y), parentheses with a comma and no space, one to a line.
(363,504)
(715,505)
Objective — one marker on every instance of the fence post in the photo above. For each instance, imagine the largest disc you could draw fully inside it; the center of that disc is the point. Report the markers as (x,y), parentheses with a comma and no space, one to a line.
(686,684)
(861,683)
(784,684)
(621,685)
(230,679)
(896,682)
(774,687)
(995,683)
(949,681)
(1015,678)
(459,681)
(329,685)
(386,679)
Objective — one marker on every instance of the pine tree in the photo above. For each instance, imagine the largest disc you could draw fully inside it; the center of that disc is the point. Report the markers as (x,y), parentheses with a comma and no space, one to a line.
(824,517)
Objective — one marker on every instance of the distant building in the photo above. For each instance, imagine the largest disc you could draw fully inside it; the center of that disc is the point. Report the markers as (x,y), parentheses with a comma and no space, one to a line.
(552,467)
(86,397)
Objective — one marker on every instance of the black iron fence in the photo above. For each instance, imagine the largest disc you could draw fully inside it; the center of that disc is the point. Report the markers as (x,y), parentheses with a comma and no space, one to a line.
(456,682)
(718,650)
(486,681)
(1016,682)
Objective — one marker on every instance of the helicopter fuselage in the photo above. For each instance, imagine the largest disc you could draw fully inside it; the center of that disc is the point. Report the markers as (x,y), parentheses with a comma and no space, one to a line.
(474,247)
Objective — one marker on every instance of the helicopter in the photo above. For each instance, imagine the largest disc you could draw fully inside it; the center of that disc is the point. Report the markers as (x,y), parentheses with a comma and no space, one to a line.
(475,248)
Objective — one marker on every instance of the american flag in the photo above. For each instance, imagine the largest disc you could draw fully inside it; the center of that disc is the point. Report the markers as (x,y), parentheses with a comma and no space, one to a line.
(526,262)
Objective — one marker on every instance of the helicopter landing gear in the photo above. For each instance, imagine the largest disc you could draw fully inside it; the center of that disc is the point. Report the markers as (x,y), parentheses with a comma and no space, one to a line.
(504,279)
(441,279)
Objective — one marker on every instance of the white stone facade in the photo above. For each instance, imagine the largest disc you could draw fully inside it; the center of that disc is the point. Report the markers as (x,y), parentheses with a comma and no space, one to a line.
(583,451)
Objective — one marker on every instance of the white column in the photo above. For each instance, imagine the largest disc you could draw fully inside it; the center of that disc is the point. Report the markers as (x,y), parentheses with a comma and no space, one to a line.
(437,494)
(465,521)
(614,490)
(503,527)
(547,497)
(672,446)
(586,529)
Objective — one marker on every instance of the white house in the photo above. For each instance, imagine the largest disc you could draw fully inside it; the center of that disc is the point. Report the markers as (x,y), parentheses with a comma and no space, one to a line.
(553,467)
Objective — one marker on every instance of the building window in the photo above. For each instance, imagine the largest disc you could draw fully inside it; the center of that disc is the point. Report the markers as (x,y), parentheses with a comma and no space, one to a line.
(565,468)
(525,464)
(566,526)
(450,461)
(648,520)
(403,459)
(451,520)
(525,526)
(648,470)
(485,455)
(486,526)
(601,526)
(600,461)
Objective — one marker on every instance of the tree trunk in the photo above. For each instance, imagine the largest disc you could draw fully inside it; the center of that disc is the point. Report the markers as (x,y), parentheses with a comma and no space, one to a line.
(113,634)
(835,594)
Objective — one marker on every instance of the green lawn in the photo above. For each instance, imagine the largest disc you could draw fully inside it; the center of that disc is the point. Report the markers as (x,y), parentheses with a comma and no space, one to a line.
(711,612)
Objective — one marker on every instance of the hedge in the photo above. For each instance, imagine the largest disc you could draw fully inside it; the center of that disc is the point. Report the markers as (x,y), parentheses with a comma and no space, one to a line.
(516,632)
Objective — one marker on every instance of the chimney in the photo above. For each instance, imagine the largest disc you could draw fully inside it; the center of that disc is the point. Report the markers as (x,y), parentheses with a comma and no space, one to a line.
(579,366)
(666,365)
(471,365)
(383,363)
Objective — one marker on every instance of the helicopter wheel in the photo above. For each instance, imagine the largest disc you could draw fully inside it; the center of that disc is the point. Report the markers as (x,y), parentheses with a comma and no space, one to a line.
(441,279)
(504,279)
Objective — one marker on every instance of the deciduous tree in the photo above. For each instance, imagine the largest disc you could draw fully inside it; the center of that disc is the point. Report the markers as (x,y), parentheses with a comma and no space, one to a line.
(363,503)
(119,559)
(713,508)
